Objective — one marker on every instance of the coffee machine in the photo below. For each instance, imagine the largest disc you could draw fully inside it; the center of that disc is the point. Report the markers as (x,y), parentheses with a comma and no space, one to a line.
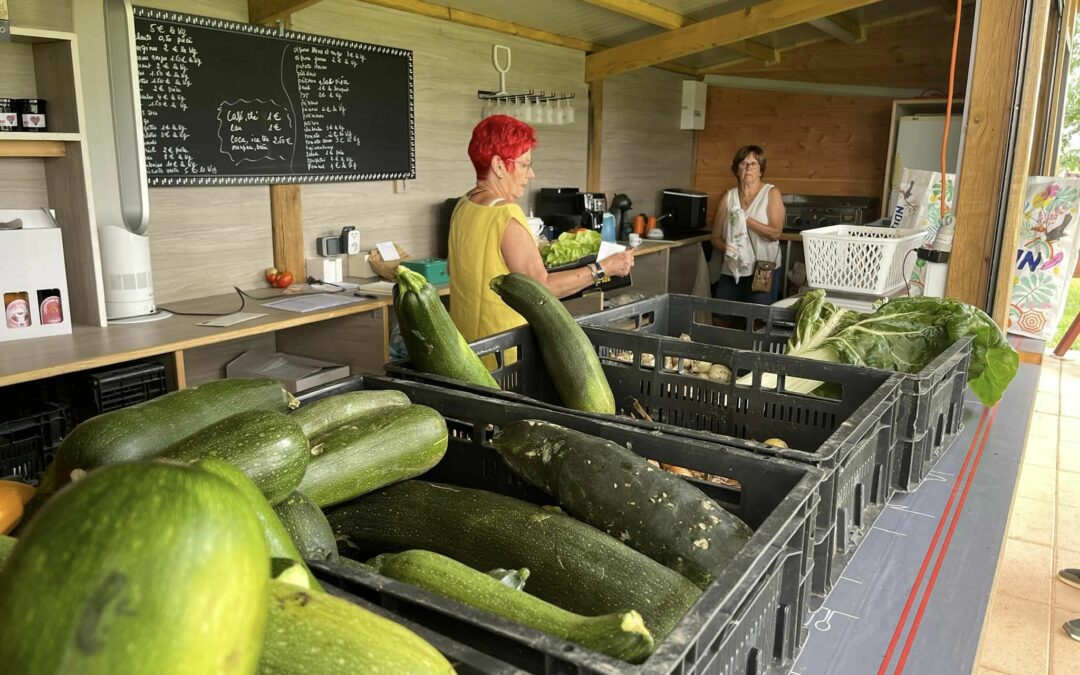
(567,208)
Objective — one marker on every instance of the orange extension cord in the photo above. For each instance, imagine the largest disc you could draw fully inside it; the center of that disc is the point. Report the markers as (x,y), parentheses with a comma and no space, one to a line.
(948,108)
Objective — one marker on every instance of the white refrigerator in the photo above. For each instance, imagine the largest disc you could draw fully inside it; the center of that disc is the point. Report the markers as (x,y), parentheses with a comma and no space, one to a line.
(918,146)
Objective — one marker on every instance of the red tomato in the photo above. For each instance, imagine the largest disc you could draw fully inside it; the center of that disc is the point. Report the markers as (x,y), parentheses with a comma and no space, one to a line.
(271,275)
(284,279)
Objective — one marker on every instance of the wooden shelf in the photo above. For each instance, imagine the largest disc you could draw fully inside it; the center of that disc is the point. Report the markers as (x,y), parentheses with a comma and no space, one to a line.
(32,144)
(37,36)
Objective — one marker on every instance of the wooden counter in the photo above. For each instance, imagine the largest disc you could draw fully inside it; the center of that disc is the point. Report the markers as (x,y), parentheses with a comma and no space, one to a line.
(357,334)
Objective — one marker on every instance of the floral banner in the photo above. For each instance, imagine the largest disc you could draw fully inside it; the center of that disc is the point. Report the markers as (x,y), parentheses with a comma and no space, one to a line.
(1045,256)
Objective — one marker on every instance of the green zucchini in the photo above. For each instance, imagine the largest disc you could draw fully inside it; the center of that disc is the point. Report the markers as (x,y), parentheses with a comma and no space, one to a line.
(569,355)
(266,445)
(144,430)
(277,537)
(319,417)
(311,632)
(308,527)
(622,634)
(611,488)
(6,545)
(435,344)
(361,457)
(144,567)
(571,564)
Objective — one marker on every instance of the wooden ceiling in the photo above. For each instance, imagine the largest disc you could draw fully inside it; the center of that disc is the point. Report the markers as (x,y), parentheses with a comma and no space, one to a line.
(692,37)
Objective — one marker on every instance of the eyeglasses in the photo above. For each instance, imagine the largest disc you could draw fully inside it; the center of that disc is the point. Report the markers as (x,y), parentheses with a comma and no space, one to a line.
(524,165)
(747,164)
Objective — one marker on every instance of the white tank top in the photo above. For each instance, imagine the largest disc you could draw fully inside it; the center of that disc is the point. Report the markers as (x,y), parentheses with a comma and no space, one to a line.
(758,210)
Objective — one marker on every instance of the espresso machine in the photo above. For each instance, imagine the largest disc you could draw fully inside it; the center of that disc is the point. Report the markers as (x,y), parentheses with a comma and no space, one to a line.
(568,208)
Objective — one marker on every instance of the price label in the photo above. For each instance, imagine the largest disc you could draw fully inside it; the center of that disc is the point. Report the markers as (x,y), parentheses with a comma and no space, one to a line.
(387,250)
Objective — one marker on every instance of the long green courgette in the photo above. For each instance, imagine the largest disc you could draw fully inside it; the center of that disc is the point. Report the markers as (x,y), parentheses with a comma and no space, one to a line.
(622,635)
(569,355)
(435,344)
(266,445)
(615,490)
(318,417)
(362,457)
(572,565)
(308,527)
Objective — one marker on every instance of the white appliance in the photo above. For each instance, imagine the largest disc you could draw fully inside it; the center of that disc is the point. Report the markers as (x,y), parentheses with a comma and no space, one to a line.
(115,151)
(918,146)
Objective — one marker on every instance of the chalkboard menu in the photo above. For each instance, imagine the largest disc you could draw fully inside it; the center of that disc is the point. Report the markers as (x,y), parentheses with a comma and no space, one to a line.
(226,103)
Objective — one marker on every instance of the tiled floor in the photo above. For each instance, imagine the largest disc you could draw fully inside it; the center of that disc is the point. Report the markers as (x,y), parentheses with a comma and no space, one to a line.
(1022,633)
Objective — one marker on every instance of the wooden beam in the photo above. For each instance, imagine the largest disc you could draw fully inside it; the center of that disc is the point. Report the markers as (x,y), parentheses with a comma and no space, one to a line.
(431,10)
(1021,161)
(269,11)
(718,68)
(840,27)
(978,201)
(644,11)
(755,50)
(716,32)
(287,226)
(596,136)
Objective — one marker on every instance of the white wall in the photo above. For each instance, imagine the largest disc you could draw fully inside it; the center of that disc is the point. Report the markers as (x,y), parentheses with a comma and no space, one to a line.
(205,240)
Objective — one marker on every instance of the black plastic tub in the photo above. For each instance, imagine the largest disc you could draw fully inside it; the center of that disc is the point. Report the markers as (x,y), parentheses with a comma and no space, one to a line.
(849,438)
(751,619)
(30,432)
(931,401)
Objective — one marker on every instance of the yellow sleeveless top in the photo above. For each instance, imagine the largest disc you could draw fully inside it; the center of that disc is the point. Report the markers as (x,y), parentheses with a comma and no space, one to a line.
(475,258)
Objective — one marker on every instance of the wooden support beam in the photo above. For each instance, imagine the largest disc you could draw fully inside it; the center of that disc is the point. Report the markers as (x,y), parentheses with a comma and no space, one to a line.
(1021,161)
(755,50)
(596,136)
(840,27)
(270,11)
(979,202)
(287,226)
(716,32)
(645,11)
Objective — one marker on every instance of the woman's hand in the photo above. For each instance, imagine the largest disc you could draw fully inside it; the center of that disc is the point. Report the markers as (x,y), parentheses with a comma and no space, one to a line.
(619,264)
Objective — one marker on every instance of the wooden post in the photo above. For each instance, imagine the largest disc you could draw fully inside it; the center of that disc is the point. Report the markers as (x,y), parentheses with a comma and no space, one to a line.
(596,136)
(287,225)
(978,200)
(1021,161)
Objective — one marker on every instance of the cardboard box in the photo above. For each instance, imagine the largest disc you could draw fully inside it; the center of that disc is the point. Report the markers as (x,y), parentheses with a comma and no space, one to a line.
(296,373)
(33,279)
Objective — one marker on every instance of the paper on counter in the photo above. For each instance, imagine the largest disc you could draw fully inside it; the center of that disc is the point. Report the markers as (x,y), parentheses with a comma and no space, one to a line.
(377,288)
(608,248)
(387,250)
(311,303)
(230,319)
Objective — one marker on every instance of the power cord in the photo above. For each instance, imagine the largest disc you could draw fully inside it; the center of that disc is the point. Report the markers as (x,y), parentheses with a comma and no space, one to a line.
(244,297)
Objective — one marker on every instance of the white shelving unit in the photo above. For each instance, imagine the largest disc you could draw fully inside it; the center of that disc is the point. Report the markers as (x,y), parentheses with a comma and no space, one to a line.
(45,64)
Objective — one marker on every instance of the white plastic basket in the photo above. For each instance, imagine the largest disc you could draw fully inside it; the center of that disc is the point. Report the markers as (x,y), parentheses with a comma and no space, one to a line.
(859,259)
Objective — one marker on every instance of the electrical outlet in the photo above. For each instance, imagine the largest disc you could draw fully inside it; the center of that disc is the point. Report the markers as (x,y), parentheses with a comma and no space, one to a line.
(401,186)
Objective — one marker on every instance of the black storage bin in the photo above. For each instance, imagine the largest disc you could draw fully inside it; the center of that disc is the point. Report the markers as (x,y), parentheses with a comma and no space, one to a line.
(116,388)
(751,619)
(849,438)
(30,431)
(931,401)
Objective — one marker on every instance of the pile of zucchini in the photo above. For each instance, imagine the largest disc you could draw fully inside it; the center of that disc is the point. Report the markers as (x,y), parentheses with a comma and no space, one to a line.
(171,536)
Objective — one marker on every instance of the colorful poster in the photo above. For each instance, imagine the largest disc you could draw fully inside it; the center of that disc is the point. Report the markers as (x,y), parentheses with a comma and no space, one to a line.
(918,206)
(1045,256)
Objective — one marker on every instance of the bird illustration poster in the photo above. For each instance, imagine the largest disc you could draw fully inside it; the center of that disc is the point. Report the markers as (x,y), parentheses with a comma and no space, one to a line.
(917,205)
(1045,256)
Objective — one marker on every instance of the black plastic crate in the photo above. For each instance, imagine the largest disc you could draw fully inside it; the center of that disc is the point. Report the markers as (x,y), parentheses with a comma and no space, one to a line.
(29,433)
(931,401)
(118,388)
(851,438)
(750,620)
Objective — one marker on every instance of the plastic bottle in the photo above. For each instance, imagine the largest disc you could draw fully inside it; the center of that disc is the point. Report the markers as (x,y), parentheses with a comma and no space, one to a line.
(607,230)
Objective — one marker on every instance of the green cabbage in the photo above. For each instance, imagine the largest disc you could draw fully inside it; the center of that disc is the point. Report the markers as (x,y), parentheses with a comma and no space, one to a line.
(570,247)
(905,334)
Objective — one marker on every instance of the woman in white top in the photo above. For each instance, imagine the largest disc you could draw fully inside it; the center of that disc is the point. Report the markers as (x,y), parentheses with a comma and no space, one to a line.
(760,206)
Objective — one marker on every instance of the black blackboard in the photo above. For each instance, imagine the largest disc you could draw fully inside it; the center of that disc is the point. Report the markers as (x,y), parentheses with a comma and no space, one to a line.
(226,103)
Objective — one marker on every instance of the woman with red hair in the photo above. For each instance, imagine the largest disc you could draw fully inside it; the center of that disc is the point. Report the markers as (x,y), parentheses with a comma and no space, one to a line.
(489,235)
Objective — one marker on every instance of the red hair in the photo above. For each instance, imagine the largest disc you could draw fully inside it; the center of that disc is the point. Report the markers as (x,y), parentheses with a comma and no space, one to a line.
(502,136)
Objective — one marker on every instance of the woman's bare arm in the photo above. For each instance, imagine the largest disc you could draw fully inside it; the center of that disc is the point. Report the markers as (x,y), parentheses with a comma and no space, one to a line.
(774,211)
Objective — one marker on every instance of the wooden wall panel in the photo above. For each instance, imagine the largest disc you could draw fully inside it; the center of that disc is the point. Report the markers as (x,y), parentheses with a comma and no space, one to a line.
(50,14)
(644,149)
(23,186)
(910,53)
(814,144)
